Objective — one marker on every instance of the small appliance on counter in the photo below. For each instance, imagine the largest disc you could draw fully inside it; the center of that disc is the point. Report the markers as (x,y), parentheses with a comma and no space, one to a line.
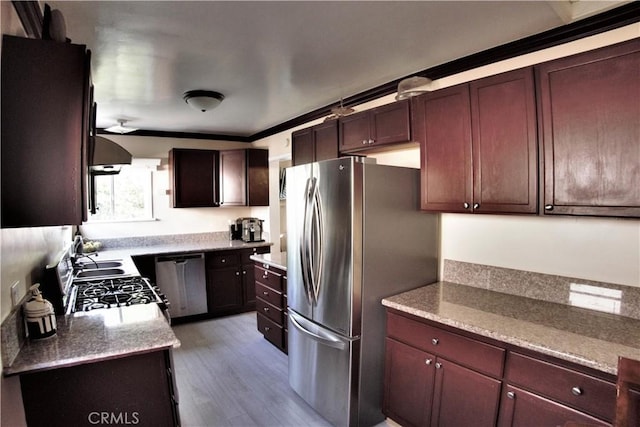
(247,229)
(39,315)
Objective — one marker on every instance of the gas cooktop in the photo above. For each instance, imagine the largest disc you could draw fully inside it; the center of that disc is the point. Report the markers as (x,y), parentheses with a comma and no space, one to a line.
(112,293)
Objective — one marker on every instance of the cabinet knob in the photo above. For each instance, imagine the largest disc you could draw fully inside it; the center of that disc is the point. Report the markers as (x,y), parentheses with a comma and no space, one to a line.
(438,365)
(548,207)
(435,341)
(364,142)
(428,361)
(265,293)
(266,309)
(511,395)
(264,276)
(267,329)
(466,205)
(244,271)
(476,205)
(237,273)
(576,391)
(371,141)
(223,260)
(265,266)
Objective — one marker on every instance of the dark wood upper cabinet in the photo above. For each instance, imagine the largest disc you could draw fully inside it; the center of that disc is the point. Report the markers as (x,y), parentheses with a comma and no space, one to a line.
(479,145)
(316,143)
(193,177)
(505,143)
(244,177)
(442,123)
(45,119)
(387,124)
(590,132)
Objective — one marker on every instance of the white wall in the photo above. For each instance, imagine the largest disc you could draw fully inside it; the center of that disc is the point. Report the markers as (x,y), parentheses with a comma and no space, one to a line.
(171,220)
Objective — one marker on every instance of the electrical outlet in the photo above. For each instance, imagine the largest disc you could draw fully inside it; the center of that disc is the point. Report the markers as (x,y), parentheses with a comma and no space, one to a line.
(14,293)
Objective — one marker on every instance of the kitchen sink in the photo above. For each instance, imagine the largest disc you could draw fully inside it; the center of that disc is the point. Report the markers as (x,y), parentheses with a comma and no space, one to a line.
(88,265)
(100,272)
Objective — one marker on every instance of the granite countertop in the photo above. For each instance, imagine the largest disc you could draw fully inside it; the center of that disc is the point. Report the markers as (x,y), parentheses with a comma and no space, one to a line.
(586,337)
(178,247)
(95,336)
(277,260)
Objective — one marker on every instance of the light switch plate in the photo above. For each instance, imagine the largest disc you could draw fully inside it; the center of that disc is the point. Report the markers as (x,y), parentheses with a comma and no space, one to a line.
(14,293)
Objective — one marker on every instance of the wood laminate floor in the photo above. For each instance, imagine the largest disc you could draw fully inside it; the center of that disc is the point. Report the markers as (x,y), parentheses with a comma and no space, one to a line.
(228,375)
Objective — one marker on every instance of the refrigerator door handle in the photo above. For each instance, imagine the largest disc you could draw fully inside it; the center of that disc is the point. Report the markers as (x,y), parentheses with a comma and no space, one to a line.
(316,240)
(303,244)
(322,336)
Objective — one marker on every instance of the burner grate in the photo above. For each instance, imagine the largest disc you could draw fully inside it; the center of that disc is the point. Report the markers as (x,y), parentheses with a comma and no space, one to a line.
(111,293)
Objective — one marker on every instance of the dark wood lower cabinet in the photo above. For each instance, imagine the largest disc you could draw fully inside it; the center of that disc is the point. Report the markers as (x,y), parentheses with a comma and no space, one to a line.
(423,390)
(138,390)
(440,376)
(230,281)
(270,287)
(522,408)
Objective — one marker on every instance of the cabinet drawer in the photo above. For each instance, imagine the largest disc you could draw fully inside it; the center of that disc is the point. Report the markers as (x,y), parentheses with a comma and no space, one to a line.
(268,294)
(271,331)
(587,393)
(268,310)
(223,259)
(269,278)
(466,351)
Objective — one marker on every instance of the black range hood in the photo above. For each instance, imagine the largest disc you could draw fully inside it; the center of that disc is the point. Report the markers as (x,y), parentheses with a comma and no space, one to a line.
(107,156)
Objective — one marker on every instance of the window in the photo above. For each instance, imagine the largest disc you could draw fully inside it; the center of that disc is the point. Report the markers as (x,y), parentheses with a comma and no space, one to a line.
(126,196)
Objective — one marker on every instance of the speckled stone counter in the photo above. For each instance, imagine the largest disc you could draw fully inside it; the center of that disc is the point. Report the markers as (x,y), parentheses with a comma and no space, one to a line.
(177,247)
(277,260)
(96,336)
(578,335)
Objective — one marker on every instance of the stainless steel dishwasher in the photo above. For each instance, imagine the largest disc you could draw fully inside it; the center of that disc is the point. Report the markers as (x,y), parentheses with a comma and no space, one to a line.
(182,279)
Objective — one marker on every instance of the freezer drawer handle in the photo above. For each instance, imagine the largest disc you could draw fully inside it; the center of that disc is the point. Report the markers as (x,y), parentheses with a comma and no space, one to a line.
(326,338)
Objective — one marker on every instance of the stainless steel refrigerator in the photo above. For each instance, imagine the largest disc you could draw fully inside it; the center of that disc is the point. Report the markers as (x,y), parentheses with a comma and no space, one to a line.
(355,235)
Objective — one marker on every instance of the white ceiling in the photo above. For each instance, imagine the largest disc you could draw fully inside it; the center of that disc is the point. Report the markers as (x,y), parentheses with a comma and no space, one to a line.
(275,61)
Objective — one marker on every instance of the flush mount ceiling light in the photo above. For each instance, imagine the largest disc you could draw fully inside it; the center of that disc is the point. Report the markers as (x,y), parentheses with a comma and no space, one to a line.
(120,127)
(203,100)
(409,87)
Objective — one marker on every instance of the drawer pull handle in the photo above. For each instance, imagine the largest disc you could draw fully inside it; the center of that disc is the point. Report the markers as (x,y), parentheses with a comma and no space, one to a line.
(265,293)
(511,395)
(435,341)
(428,361)
(576,391)
(438,365)
(267,329)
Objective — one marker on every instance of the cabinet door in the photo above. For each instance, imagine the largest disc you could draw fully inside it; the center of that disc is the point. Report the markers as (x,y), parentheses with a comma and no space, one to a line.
(44,124)
(249,285)
(590,132)
(505,145)
(302,150)
(325,138)
(233,179)
(257,187)
(194,175)
(354,132)
(442,125)
(224,290)
(464,397)
(521,408)
(409,379)
(390,123)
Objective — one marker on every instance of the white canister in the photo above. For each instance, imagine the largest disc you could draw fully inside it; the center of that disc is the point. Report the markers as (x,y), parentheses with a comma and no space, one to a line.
(39,315)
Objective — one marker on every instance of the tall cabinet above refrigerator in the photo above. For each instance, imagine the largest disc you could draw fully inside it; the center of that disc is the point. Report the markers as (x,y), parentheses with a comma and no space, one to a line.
(355,236)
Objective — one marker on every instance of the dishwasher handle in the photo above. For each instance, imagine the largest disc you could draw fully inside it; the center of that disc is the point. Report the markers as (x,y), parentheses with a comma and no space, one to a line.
(179,259)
